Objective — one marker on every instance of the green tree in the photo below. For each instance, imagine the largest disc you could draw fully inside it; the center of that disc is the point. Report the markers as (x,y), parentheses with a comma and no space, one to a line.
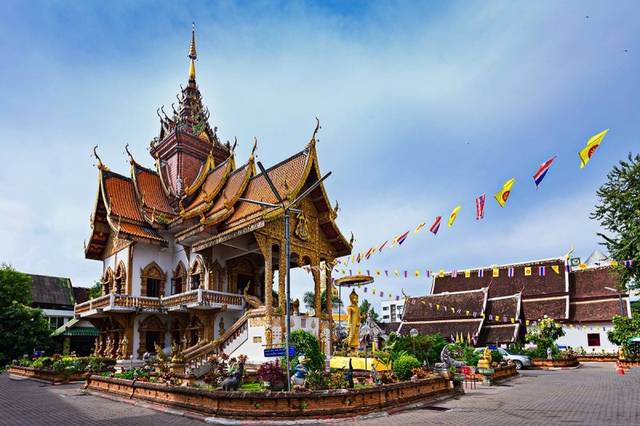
(306,344)
(544,336)
(424,347)
(95,290)
(22,329)
(366,309)
(618,211)
(625,328)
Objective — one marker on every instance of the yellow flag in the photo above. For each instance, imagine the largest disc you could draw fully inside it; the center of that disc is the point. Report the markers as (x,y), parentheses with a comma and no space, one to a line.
(437,307)
(453,215)
(527,271)
(555,268)
(526,322)
(467,273)
(496,272)
(441,273)
(614,263)
(593,143)
(503,195)
(417,273)
(497,317)
(419,227)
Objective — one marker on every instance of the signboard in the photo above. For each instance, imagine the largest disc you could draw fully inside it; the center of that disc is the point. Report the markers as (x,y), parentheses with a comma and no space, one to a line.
(575,261)
(277,352)
(492,347)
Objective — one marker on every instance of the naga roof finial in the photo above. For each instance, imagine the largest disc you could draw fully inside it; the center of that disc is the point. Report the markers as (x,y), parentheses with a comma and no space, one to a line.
(315,132)
(235,143)
(101,165)
(126,148)
(253,150)
(192,53)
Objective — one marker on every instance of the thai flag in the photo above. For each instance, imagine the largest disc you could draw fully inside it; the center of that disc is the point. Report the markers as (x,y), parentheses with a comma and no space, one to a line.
(480,207)
(365,289)
(436,225)
(368,272)
(397,298)
(402,237)
(428,273)
(510,272)
(382,246)
(628,263)
(480,273)
(542,270)
(542,171)
(405,274)
(454,274)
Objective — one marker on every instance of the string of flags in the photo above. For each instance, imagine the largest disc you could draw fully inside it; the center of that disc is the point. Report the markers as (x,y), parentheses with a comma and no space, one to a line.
(501,197)
(495,272)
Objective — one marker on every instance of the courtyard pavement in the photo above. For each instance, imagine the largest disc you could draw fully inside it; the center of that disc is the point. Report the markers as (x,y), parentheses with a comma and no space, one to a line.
(591,395)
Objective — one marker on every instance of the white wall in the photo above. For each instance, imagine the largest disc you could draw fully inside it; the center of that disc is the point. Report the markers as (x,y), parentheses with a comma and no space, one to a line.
(576,337)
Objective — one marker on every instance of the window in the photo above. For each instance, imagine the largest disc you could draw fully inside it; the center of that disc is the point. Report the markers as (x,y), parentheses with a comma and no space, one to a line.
(195,281)
(385,308)
(153,287)
(593,339)
(385,317)
(176,284)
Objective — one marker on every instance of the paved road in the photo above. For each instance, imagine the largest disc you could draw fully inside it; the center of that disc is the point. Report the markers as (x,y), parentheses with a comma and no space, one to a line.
(592,395)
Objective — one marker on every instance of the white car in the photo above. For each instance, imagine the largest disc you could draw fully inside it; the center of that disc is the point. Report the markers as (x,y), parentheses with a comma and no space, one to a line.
(520,361)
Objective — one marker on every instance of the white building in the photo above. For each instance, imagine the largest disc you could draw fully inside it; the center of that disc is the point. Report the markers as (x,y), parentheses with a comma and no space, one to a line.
(392,311)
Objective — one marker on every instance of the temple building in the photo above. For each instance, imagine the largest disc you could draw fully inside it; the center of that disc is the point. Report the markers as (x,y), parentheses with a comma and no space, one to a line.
(496,304)
(187,261)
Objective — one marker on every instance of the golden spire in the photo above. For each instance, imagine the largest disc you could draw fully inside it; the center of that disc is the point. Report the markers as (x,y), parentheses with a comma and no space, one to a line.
(192,54)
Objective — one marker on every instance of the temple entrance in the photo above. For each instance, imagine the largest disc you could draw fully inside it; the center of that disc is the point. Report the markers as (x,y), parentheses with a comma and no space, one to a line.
(151,339)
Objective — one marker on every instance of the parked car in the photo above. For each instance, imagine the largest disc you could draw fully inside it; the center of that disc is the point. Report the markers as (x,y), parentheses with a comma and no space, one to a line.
(520,361)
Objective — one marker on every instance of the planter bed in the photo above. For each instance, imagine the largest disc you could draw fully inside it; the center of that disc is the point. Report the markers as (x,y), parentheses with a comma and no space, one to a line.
(629,364)
(543,363)
(46,375)
(597,358)
(500,373)
(280,405)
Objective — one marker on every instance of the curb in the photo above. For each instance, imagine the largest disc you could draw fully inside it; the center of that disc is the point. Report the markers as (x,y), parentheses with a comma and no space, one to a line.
(233,422)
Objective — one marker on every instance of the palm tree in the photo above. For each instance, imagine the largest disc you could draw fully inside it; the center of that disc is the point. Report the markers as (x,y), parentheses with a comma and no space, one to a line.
(309,300)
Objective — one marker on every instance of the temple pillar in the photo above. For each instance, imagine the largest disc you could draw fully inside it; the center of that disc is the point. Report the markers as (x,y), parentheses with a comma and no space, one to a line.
(315,272)
(264,242)
(282,292)
(328,288)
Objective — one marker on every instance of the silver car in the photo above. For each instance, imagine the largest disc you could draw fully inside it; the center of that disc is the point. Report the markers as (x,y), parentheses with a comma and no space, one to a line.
(520,361)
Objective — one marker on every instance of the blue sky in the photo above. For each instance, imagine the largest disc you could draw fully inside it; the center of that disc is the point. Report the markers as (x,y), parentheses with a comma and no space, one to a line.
(423,107)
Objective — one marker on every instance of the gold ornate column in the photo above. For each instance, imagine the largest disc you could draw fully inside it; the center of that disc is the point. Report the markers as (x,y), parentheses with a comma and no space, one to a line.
(282,292)
(328,266)
(315,271)
(264,242)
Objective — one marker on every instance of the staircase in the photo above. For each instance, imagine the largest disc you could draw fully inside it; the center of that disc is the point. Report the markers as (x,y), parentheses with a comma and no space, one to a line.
(196,356)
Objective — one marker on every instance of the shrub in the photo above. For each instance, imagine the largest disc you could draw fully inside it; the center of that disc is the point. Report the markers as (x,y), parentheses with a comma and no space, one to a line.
(403,366)
(337,380)
(545,334)
(306,344)
(496,356)
(423,347)
(271,372)
(317,380)
(134,373)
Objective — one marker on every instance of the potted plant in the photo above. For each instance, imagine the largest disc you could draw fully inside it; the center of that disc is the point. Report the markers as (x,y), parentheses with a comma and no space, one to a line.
(271,375)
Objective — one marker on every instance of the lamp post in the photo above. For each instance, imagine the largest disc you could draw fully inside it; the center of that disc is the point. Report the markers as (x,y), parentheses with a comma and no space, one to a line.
(287,245)
(619,298)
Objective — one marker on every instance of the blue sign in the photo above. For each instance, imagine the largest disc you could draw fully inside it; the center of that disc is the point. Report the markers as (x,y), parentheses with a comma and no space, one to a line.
(562,347)
(493,347)
(274,352)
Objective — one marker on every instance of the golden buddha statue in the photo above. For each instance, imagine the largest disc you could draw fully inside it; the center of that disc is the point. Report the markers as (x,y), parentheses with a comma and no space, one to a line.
(353,313)
(485,361)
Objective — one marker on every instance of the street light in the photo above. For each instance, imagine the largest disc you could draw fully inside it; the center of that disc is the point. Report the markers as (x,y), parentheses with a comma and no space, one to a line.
(287,244)
(619,298)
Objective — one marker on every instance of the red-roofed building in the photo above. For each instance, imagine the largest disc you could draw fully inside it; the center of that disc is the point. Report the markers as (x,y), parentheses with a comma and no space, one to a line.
(584,299)
(186,259)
